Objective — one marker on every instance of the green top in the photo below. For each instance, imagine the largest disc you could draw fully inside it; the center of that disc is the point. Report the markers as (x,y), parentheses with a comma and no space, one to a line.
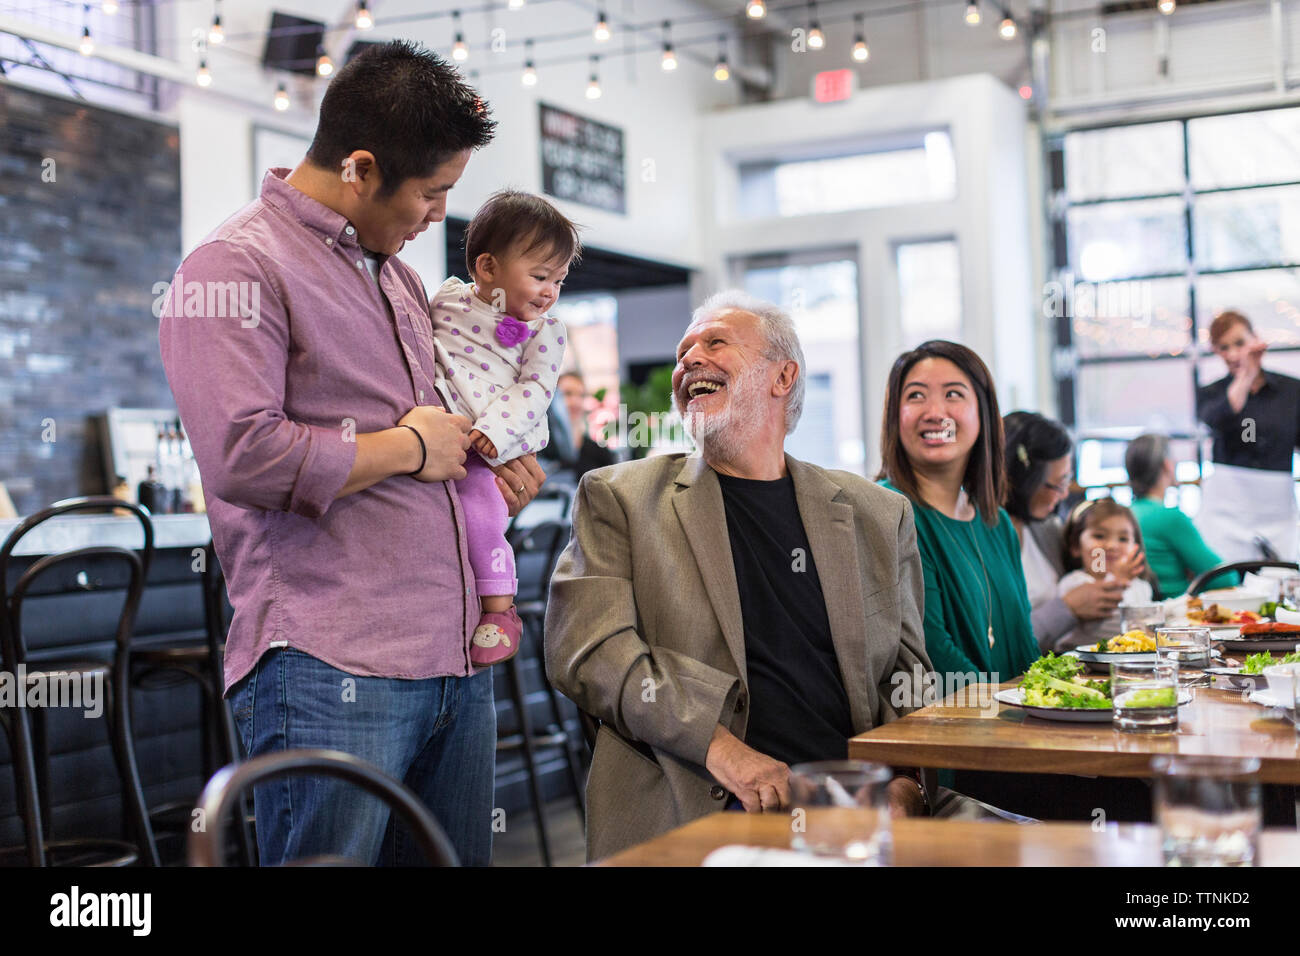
(1175,550)
(956,597)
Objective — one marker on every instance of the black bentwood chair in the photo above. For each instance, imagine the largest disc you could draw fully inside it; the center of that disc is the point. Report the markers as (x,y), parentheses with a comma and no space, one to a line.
(226,790)
(1201,580)
(537,549)
(200,661)
(89,568)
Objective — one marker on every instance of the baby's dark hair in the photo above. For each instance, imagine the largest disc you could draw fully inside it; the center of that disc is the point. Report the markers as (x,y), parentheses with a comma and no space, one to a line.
(1089,513)
(517,222)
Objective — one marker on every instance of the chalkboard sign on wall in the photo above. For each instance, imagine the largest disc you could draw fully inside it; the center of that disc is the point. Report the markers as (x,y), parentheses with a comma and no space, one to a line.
(582,160)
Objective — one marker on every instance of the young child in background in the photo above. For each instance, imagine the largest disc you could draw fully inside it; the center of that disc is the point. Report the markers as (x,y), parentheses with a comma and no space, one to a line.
(499,356)
(1103,542)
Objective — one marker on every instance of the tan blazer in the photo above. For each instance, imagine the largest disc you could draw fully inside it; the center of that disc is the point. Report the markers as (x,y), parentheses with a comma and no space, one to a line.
(644,629)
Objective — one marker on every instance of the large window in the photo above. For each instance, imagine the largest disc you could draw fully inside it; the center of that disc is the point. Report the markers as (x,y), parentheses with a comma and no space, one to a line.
(820,290)
(1159,227)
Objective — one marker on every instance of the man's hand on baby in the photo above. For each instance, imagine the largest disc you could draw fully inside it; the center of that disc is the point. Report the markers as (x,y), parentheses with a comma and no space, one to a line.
(446,440)
(481,444)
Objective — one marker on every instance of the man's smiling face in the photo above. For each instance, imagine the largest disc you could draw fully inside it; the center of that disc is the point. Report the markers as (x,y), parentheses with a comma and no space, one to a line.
(722,377)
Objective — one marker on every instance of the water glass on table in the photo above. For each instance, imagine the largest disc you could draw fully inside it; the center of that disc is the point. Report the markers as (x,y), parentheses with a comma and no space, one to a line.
(1144,697)
(1208,810)
(1189,648)
(1141,617)
(840,808)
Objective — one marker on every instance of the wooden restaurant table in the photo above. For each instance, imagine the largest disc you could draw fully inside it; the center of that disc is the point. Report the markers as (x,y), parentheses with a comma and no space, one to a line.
(1003,738)
(924,842)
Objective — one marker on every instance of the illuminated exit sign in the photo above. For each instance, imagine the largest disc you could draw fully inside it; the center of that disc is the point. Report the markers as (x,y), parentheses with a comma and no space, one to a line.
(832,86)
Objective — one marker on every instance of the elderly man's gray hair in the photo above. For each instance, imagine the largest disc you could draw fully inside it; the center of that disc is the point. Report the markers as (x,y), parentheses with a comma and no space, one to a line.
(778,331)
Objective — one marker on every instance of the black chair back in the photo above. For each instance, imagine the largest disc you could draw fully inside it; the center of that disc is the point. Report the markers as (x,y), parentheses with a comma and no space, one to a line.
(224,790)
(137,564)
(1201,580)
(537,549)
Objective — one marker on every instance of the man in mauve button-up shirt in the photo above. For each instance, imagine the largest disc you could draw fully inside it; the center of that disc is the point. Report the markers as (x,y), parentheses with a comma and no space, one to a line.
(299,350)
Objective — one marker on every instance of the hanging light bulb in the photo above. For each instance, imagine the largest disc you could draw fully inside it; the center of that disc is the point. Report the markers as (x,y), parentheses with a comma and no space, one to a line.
(593,85)
(87,45)
(281,98)
(722,72)
(364,20)
(109,7)
(1007,28)
(601,31)
(324,65)
(216,34)
(972,14)
(530,72)
(668,61)
(756,9)
(515,4)
(459,49)
(204,76)
(860,51)
(816,39)
(1166,6)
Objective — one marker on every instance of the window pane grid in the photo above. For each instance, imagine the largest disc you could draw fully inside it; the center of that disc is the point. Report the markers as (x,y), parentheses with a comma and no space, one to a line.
(1221,229)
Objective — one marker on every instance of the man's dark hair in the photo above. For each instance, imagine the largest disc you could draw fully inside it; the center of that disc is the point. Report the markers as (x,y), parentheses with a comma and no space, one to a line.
(985,480)
(405,105)
(514,222)
(1033,441)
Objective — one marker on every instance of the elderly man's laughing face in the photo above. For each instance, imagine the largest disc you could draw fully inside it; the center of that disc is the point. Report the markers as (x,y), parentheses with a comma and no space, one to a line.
(721,380)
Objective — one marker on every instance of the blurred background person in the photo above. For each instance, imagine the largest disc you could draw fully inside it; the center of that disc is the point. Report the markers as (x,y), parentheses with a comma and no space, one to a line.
(1175,550)
(1254,417)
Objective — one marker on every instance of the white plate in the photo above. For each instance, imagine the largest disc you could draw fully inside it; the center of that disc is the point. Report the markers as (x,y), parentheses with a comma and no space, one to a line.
(1015,697)
(1268,700)
(1113,657)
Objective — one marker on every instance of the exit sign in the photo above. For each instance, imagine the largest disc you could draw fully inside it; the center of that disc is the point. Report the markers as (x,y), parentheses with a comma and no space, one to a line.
(832,86)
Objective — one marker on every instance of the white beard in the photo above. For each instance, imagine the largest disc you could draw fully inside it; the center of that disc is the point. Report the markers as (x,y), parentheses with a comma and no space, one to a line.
(725,435)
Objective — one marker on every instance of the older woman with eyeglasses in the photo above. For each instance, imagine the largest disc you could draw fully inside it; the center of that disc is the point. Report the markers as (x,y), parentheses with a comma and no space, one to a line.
(1040,460)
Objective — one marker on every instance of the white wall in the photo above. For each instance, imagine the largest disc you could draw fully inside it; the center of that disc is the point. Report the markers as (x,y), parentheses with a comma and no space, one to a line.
(989,219)
(651,323)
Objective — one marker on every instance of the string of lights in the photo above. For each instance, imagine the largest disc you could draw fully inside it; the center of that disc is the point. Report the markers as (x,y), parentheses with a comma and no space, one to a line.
(806,16)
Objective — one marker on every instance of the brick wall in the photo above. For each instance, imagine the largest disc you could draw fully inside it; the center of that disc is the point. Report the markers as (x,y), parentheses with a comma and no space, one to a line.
(89,221)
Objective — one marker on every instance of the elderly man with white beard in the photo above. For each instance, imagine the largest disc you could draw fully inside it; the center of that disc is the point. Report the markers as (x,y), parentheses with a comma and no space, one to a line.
(727,614)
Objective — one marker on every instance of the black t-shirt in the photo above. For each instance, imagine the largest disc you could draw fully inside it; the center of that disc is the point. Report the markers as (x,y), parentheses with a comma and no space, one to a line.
(798,707)
(1266,430)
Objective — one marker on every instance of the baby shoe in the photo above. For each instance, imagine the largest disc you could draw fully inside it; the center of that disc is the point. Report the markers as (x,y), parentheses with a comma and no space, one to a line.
(496,638)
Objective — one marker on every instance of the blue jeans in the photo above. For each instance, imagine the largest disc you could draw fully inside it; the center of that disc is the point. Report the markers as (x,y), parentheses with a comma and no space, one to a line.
(438,736)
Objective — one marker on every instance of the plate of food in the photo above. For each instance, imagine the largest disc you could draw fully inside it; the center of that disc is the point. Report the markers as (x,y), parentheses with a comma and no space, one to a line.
(1136,647)
(1054,688)
(1262,636)
(1250,674)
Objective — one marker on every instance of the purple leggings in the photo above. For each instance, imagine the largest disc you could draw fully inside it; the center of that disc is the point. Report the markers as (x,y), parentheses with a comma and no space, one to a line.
(490,554)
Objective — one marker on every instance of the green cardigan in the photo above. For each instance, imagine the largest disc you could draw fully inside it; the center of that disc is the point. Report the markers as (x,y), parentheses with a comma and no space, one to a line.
(1175,550)
(956,615)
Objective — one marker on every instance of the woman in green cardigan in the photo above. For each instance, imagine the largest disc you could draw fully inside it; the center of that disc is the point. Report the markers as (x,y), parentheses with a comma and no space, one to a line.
(941,446)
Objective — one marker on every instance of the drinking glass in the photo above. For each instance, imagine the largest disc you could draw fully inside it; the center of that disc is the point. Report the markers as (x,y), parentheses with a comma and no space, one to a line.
(1145,697)
(1141,617)
(1208,809)
(1189,648)
(840,808)
(1289,591)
